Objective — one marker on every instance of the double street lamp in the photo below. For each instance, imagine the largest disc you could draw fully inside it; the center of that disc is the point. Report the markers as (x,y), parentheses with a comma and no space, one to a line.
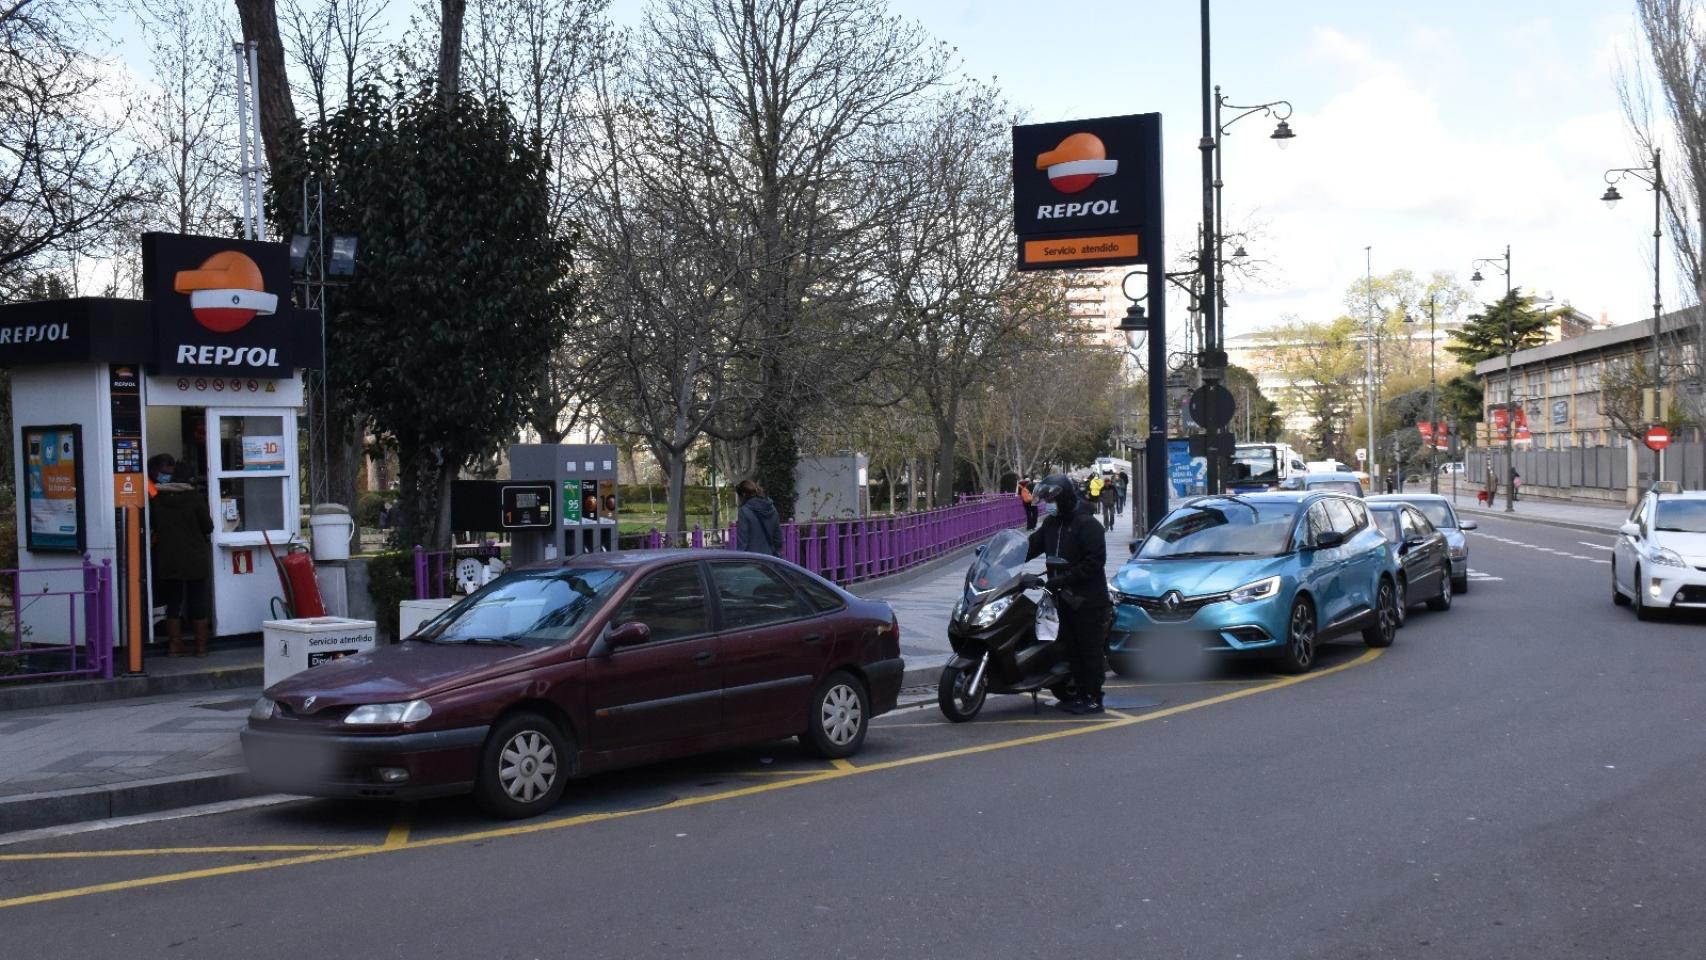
(1503,264)
(1653,175)
(1433,397)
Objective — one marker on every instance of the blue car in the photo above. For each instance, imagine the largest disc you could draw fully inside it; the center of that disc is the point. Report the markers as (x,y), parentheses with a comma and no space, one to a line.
(1265,574)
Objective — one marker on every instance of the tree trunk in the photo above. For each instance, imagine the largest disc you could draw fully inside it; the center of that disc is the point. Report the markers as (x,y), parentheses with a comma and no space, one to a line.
(942,489)
(778,461)
(677,517)
(452,13)
(278,112)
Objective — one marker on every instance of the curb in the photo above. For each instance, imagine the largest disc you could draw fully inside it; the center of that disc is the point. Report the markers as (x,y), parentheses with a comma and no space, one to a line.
(66,693)
(54,808)
(1543,521)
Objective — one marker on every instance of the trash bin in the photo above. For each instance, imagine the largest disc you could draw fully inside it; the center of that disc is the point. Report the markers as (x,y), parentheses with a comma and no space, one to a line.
(331,525)
(292,646)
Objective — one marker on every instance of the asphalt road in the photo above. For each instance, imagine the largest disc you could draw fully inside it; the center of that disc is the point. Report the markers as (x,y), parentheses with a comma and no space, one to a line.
(1518,777)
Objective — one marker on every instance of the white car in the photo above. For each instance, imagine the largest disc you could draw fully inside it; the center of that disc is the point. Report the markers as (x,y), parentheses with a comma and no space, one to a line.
(1658,560)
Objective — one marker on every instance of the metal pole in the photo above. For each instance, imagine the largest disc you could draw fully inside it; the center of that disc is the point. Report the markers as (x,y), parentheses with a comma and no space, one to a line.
(1658,306)
(1207,256)
(1433,404)
(243,139)
(1156,485)
(1510,388)
(1368,361)
(254,180)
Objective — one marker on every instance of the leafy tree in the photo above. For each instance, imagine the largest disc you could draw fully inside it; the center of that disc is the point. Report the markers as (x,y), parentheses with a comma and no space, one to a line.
(1324,364)
(1509,324)
(439,337)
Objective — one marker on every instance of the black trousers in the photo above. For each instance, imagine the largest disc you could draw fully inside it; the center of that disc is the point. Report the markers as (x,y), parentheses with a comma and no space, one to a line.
(1085,632)
(1030,516)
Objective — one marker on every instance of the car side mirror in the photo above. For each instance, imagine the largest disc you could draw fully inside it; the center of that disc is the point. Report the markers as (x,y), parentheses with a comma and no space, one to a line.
(1328,539)
(1630,529)
(628,634)
(1468,525)
(1134,545)
(1411,543)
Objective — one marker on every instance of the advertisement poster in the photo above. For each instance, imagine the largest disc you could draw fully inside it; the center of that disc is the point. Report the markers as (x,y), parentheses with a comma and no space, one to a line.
(1188,474)
(55,496)
(1501,417)
(607,501)
(571,502)
(263,453)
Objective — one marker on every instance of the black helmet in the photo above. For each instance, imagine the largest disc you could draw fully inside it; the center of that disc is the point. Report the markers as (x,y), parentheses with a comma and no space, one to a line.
(1057,489)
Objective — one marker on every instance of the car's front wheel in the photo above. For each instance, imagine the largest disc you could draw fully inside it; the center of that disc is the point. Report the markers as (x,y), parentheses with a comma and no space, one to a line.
(1124,664)
(523,767)
(1385,627)
(1298,654)
(840,712)
(1617,597)
(1642,611)
(1403,599)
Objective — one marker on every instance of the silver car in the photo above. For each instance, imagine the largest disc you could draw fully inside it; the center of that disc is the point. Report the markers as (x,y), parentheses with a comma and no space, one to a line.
(1439,512)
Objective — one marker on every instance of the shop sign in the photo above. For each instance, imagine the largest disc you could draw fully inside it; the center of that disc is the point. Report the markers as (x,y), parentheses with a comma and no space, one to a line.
(221,307)
(263,453)
(1082,191)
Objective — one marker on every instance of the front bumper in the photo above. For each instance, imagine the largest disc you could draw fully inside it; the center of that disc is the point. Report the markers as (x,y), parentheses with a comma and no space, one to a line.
(1220,627)
(885,677)
(1667,586)
(322,764)
(1460,568)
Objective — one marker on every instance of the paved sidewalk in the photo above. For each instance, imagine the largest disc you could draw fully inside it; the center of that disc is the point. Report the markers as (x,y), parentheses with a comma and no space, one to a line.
(1584,516)
(92,761)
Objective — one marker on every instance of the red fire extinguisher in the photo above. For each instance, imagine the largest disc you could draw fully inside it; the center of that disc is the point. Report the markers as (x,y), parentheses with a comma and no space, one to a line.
(296,577)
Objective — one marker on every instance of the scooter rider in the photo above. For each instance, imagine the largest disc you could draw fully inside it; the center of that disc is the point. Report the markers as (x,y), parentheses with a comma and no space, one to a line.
(1073,540)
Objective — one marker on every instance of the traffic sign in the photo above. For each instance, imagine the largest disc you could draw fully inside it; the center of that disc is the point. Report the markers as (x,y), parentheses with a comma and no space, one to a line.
(1658,437)
(1211,406)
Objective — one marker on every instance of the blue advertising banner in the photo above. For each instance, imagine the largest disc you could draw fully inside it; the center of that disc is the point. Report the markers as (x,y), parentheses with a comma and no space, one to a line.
(1188,474)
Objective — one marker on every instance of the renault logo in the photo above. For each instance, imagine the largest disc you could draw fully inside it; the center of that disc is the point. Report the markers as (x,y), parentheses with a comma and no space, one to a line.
(1171,601)
(308,704)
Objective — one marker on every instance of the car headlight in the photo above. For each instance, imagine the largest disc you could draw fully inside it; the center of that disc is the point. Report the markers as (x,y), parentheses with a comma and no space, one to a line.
(1666,557)
(390,713)
(1113,592)
(1259,590)
(1458,553)
(991,612)
(262,710)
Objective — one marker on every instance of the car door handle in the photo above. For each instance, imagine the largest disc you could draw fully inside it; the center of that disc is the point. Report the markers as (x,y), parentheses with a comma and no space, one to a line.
(703,657)
(813,638)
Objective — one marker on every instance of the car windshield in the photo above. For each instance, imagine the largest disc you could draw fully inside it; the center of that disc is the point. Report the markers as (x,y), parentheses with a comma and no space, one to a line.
(1222,527)
(1338,486)
(1438,513)
(1387,521)
(1681,516)
(529,608)
(997,562)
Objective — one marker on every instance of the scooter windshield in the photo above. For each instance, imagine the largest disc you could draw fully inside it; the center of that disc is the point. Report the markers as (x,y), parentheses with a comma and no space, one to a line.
(999,561)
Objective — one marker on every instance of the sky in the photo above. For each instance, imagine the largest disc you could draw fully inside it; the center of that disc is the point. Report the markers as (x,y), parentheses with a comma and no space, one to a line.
(1434,133)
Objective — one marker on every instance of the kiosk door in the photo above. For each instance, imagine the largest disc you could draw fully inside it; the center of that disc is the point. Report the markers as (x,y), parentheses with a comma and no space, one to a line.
(254,494)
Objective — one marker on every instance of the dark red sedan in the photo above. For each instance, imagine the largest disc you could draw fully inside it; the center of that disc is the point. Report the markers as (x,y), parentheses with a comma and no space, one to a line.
(604,661)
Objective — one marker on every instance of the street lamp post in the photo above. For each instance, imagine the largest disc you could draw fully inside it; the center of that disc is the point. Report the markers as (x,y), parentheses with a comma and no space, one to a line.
(1433,398)
(1510,385)
(1654,176)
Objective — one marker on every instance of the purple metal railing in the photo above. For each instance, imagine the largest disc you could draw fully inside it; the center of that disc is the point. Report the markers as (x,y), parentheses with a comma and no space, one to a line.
(435,569)
(89,610)
(845,551)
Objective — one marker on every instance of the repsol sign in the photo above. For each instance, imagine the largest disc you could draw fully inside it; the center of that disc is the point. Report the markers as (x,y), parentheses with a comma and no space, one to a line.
(220,306)
(35,333)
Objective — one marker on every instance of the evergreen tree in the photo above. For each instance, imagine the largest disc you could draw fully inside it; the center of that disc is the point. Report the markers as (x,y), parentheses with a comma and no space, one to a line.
(1488,334)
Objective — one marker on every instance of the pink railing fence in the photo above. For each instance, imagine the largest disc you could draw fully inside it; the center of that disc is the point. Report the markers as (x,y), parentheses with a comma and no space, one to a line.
(57,622)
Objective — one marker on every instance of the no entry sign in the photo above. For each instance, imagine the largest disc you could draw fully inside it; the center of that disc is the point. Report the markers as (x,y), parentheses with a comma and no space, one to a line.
(1658,437)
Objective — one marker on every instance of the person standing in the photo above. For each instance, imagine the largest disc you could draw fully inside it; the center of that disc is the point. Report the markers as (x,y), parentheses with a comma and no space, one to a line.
(1029,500)
(1516,484)
(758,528)
(1492,485)
(183,553)
(1109,502)
(1077,552)
(1122,483)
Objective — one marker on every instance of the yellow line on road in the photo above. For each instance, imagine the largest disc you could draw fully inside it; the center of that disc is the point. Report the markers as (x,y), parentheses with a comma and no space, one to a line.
(843,765)
(162,851)
(399,833)
(759,788)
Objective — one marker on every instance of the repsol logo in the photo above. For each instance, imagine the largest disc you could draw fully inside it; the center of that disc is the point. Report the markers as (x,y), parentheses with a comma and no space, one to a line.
(35,333)
(1060,211)
(211,356)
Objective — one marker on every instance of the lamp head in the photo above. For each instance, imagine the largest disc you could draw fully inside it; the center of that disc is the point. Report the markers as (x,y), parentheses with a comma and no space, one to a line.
(1239,253)
(1476,276)
(1611,196)
(1282,134)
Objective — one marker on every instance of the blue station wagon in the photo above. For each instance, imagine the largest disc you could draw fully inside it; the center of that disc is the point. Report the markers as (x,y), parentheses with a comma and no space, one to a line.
(1268,574)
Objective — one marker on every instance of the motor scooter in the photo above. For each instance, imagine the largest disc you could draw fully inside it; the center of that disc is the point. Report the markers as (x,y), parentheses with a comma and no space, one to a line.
(1005,632)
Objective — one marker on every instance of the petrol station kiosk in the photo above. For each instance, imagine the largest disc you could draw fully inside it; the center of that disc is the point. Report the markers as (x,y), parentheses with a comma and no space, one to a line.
(208,367)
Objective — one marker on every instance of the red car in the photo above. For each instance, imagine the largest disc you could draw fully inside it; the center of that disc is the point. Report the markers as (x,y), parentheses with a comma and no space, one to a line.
(603,661)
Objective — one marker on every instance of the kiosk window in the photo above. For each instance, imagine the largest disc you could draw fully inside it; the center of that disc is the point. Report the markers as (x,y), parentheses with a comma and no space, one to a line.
(251,504)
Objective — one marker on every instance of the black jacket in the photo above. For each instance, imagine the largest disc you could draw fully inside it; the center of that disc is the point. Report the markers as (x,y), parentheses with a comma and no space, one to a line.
(1079,539)
(758,528)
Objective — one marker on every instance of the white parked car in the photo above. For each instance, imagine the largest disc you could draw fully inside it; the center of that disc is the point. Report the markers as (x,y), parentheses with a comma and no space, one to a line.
(1659,560)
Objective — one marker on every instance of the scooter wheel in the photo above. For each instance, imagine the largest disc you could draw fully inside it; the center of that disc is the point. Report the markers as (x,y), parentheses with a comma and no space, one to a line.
(957,704)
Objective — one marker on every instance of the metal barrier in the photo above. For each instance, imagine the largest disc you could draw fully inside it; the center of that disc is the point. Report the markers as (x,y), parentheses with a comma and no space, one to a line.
(38,640)
(845,551)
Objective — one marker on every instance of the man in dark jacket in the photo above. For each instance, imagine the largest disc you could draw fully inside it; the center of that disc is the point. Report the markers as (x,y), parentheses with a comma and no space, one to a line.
(1077,552)
(183,554)
(758,528)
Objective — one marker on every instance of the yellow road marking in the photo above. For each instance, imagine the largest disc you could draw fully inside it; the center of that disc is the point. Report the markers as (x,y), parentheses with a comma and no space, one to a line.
(162,851)
(398,835)
(586,818)
(844,765)
(941,724)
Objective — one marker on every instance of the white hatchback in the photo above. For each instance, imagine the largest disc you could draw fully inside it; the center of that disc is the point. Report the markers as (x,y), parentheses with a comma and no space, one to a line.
(1659,560)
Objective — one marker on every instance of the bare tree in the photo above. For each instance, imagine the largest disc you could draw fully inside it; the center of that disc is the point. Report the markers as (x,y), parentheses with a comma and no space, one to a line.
(187,125)
(69,176)
(452,16)
(280,132)
(308,35)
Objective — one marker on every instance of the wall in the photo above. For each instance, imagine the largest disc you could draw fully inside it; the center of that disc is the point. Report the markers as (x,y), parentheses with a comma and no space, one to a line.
(56,395)
(831,488)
